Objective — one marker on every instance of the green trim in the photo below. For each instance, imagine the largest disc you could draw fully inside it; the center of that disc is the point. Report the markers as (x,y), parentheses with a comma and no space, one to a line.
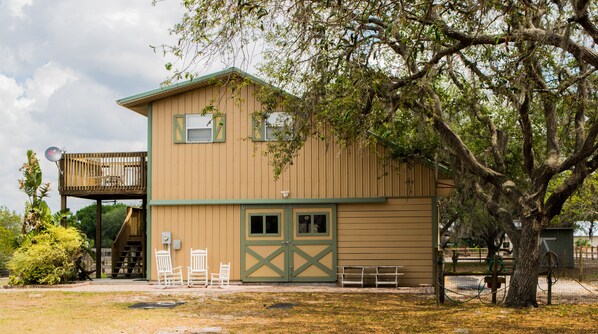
(290,246)
(258,129)
(148,210)
(242,248)
(289,201)
(245,248)
(219,126)
(313,260)
(312,234)
(179,129)
(266,261)
(163,92)
(435,222)
(332,246)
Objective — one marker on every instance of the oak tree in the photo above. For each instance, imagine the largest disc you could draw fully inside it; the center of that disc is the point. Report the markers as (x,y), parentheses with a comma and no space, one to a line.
(508,87)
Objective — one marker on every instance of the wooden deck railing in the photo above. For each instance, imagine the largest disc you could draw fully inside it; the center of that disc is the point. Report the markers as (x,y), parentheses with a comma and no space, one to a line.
(89,174)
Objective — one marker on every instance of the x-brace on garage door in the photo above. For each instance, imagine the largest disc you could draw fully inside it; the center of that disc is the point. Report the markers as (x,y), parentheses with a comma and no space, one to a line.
(288,243)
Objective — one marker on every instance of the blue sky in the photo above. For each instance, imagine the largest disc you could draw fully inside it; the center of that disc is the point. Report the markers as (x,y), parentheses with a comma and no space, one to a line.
(64,64)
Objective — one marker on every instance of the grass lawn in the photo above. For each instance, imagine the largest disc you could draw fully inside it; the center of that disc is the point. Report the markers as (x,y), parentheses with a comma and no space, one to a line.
(40,311)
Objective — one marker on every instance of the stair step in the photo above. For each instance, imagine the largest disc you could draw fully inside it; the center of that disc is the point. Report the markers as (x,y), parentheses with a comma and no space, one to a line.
(130,261)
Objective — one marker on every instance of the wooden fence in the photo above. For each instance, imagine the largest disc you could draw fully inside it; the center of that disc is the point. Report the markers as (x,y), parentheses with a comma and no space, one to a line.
(586,252)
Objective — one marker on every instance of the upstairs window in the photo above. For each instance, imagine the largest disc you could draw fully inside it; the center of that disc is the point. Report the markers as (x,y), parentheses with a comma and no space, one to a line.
(198,128)
(273,127)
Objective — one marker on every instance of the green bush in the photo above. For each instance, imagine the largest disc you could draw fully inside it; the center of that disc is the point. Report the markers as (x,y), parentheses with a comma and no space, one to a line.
(582,243)
(10,228)
(47,257)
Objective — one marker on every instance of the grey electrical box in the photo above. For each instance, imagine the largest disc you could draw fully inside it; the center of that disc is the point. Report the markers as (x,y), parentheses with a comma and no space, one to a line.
(176,244)
(166,238)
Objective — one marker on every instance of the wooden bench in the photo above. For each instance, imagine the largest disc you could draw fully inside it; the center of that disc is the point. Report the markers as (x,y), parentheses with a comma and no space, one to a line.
(351,275)
(388,275)
(356,275)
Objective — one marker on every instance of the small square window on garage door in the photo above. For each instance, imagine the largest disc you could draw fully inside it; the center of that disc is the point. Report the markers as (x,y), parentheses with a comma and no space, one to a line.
(267,224)
(312,224)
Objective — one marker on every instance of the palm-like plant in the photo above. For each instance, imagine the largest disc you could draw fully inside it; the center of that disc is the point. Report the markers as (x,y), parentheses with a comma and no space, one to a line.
(37,212)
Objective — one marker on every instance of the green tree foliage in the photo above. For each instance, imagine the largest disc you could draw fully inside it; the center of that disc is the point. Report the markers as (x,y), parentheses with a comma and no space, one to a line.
(47,253)
(113,217)
(582,206)
(48,257)
(508,88)
(463,216)
(10,226)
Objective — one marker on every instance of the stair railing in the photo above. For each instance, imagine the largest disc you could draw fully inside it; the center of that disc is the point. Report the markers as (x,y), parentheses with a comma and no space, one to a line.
(128,228)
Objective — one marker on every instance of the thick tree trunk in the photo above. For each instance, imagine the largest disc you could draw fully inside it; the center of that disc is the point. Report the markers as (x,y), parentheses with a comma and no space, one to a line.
(524,282)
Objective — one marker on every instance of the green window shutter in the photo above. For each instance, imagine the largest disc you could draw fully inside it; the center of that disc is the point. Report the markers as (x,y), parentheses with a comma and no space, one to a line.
(179,129)
(258,130)
(219,131)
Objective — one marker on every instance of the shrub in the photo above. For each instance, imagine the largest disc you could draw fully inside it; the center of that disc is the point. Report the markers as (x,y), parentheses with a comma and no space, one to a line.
(10,223)
(47,257)
(582,243)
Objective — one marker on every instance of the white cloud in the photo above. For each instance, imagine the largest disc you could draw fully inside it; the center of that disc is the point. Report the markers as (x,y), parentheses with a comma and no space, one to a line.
(15,7)
(115,20)
(64,63)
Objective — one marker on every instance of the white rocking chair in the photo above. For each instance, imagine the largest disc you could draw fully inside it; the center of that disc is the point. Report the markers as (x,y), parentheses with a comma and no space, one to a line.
(198,270)
(170,276)
(221,278)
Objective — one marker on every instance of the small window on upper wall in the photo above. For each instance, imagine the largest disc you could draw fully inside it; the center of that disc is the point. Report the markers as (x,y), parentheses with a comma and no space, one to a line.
(276,124)
(273,127)
(199,128)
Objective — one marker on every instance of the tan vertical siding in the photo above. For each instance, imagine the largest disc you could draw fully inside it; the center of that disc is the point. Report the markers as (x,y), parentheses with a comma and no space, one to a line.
(216,228)
(398,232)
(238,168)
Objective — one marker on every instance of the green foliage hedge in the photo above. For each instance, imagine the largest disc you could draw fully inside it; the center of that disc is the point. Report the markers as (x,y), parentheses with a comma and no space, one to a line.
(47,257)
(10,228)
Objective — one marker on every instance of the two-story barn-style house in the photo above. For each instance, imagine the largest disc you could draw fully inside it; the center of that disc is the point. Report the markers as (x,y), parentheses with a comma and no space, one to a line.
(208,183)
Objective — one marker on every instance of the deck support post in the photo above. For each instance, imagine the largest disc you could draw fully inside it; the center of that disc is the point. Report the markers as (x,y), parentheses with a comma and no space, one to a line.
(98,238)
(440,277)
(63,209)
(144,238)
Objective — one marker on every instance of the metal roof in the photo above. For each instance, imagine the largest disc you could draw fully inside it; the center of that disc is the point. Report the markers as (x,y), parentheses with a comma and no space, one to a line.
(139,102)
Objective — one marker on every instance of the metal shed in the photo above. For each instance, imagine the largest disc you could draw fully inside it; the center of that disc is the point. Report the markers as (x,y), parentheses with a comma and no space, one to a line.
(560,241)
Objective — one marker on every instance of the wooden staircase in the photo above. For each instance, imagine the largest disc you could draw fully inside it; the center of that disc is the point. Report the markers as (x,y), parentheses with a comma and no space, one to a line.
(128,249)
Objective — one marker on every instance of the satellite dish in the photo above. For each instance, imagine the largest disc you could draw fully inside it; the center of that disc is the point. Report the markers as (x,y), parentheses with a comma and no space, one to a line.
(53,153)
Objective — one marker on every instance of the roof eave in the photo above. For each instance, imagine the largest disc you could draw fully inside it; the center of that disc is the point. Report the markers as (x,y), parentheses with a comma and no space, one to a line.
(138,103)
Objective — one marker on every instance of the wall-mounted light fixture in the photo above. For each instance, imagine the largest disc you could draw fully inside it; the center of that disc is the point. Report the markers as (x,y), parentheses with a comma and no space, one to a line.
(285,194)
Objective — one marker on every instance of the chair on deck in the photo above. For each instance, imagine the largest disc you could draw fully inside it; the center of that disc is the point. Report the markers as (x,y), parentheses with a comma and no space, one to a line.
(170,276)
(198,270)
(221,278)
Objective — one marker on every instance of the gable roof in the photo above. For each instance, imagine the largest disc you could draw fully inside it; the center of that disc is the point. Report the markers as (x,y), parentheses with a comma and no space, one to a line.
(139,102)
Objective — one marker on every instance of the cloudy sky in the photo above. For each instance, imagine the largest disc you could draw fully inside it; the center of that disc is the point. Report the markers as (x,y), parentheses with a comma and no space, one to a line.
(63,64)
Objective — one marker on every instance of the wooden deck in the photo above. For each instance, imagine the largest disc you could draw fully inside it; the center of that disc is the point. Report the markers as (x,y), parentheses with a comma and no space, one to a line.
(104,175)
